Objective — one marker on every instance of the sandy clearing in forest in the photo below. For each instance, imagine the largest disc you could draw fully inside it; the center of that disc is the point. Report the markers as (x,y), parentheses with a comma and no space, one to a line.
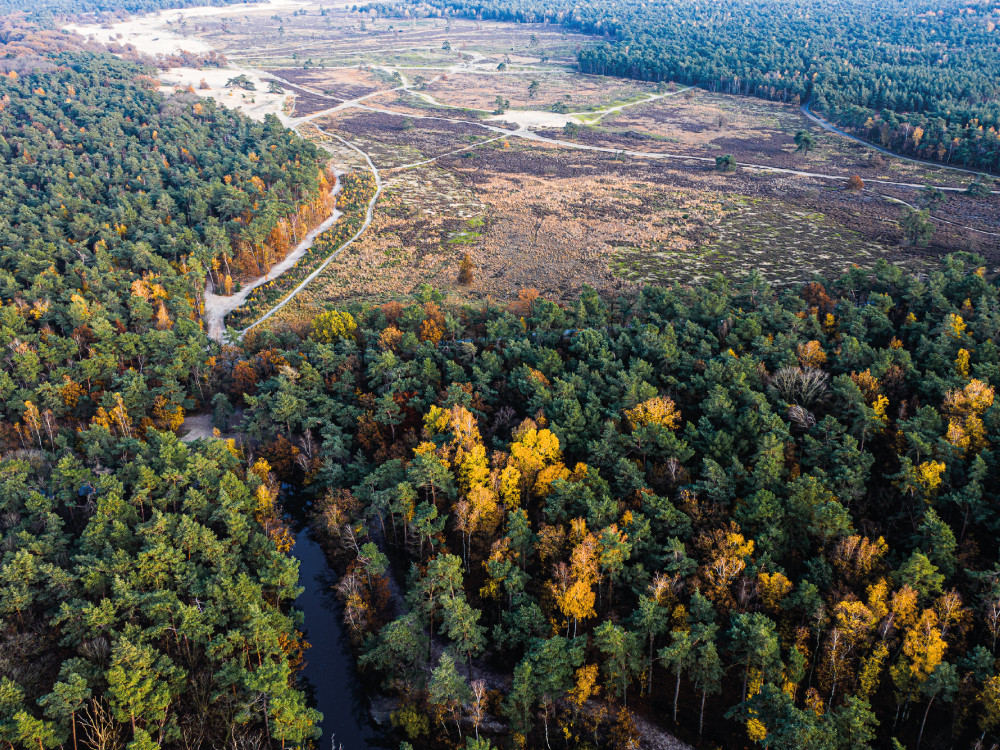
(154,34)
(149,34)
(255,104)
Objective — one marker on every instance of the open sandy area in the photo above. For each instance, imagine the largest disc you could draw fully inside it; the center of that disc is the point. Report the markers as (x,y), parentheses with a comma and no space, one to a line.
(160,33)
(254,104)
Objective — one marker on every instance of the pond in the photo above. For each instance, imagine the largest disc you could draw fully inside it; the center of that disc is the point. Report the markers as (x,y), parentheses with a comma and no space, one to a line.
(330,674)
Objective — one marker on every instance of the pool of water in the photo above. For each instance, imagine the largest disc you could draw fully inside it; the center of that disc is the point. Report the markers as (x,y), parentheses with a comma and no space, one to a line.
(330,675)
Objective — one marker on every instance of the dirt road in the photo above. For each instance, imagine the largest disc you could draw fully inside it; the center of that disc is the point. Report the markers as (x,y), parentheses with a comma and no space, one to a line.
(218,306)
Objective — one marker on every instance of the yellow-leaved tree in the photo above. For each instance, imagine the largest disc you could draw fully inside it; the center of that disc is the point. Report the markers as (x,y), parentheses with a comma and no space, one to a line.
(965,408)
(923,651)
(333,325)
(573,585)
(532,451)
(658,411)
(811,354)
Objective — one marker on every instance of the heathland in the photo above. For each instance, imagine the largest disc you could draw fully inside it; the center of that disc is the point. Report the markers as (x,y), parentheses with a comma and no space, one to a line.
(629,410)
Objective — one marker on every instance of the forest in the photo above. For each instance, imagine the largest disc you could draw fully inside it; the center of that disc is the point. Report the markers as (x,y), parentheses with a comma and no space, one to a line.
(918,77)
(745,515)
(43,10)
(725,501)
(145,586)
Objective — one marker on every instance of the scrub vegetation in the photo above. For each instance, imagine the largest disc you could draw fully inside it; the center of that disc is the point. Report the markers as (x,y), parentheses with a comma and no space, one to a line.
(635,414)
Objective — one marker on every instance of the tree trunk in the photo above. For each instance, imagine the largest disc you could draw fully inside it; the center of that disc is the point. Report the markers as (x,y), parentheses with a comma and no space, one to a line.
(677,692)
(701,717)
(833,687)
(430,642)
(746,676)
(267,723)
(920,736)
(649,689)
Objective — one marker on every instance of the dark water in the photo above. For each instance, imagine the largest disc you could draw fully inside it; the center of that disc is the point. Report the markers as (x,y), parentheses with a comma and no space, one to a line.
(330,673)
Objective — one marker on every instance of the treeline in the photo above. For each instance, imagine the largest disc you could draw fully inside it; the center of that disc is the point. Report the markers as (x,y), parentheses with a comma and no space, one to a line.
(724,501)
(76,8)
(22,40)
(145,587)
(922,72)
(24,37)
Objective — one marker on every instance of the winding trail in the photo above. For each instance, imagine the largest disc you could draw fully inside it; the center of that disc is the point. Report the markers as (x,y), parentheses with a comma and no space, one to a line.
(217,306)
(433,159)
(526,133)
(531,135)
(369,215)
(830,127)
(900,201)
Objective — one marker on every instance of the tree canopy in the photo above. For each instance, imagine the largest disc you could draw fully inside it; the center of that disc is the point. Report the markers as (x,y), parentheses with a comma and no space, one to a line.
(145,586)
(616,503)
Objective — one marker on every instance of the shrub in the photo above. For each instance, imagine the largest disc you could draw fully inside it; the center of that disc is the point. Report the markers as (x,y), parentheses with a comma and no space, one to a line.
(726,163)
(931,197)
(875,160)
(917,227)
(466,270)
(978,190)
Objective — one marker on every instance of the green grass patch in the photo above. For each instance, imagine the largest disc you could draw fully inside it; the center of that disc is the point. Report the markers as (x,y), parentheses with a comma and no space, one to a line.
(464,238)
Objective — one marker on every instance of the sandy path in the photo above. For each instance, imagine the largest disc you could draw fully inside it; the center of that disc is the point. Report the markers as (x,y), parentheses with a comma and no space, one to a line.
(530,135)
(900,201)
(433,159)
(526,119)
(831,128)
(196,427)
(369,215)
(534,118)
(154,33)
(218,306)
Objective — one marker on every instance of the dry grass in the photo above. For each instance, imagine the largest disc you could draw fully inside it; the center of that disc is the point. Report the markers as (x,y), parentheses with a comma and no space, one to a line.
(533,215)
(426,219)
(536,217)
(342,37)
(755,131)
(578,92)
(393,141)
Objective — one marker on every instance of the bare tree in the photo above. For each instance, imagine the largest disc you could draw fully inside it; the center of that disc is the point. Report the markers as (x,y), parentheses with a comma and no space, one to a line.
(805,387)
